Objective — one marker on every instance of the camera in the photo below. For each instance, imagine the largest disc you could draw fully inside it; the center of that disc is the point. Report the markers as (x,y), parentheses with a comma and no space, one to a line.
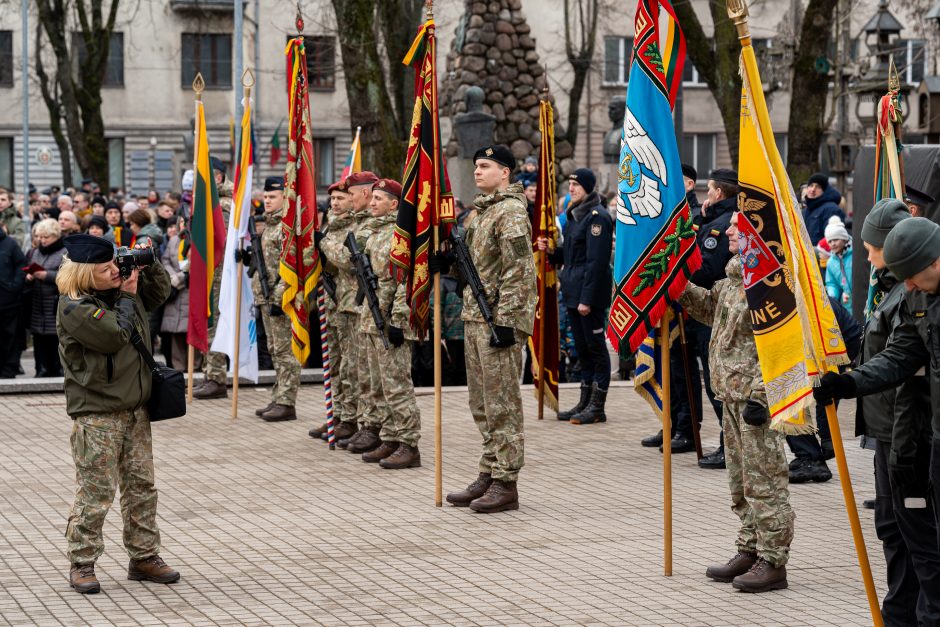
(129,258)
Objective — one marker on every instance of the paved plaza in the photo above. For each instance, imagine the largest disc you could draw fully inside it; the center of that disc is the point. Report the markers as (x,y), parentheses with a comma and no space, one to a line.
(269,527)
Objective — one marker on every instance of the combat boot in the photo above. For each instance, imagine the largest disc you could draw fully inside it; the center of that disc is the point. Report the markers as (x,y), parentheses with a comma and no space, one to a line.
(715,459)
(652,441)
(473,491)
(258,412)
(762,577)
(737,565)
(501,496)
(594,411)
(386,449)
(343,431)
(368,441)
(405,456)
(345,442)
(82,579)
(151,568)
(280,413)
(582,403)
(318,432)
(210,389)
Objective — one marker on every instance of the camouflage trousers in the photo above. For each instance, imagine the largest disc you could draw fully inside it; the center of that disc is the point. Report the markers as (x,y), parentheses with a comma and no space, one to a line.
(758,477)
(110,450)
(368,412)
(215,365)
(493,376)
(342,364)
(392,392)
(286,366)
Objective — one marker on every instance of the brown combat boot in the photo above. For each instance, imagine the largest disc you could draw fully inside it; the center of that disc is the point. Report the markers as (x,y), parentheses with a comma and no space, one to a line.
(345,430)
(318,432)
(345,442)
(151,568)
(279,413)
(258,412)
(210,389)
(405,456)
(737,565)
(82,579)
(386,449)
(501,496)
(473,491)
(762,577)
(368,441)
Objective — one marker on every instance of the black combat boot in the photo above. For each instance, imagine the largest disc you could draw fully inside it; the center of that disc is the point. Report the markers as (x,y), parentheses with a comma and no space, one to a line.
(594,411)
(585,398)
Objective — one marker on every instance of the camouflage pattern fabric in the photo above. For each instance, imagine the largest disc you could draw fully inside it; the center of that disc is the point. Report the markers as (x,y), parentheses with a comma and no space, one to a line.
(495,400)
(215,365)
(111,449)
(343,363)
(369,413)
(391,390)
(391,294)
(336,258)
(759,480)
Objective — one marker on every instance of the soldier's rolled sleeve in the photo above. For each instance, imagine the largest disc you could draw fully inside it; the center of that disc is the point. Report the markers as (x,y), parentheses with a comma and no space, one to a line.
(153,286)
(518,277)
(598,258)
(699,303)
(104,331)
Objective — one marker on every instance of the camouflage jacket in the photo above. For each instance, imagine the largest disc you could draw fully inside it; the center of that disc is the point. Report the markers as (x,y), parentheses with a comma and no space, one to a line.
(272,241)
(332,246)
(226,191)
(499,240)
(391,293)
(732,354)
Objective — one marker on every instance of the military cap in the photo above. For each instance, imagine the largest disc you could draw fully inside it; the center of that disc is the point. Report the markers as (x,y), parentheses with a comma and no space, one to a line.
(689,171)
(217,164)
(338,186)
(498,153)
(585,178)
(84,248)
(361,178)
(390,187)
(911,246)
(886,213)
(917,197)
(724,175)
(274,184)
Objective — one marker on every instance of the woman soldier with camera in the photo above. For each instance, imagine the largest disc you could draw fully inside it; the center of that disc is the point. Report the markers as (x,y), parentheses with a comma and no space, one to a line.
(107,386)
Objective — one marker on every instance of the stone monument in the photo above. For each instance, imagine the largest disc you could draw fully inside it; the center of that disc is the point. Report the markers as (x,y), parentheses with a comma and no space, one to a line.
(474,129)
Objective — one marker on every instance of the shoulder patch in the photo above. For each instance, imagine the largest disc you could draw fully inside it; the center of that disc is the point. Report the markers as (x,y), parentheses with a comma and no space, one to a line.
(596,229)
(920,314)
(715,232)
(710,243)
(521,246)
(98,314)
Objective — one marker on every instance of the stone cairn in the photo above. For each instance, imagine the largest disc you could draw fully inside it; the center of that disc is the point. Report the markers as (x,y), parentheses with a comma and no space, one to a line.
(494,50)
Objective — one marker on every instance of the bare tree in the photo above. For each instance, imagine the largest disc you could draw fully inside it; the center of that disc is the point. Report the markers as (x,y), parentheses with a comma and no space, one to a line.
(580,42)
(50,96)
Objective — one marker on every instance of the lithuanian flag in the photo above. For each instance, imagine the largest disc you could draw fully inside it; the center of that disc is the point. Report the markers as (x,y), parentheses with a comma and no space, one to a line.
(207,239)
(354,160)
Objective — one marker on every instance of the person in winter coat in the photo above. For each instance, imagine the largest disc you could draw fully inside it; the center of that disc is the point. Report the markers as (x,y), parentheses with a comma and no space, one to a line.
(141,223)
(822,202)
(175,311)
(119,233)
(839,266)
(45,297)
(12,280)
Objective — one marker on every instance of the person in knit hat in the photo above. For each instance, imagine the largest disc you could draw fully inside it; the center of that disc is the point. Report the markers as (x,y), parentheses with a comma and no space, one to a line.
(821,202)
(839,266)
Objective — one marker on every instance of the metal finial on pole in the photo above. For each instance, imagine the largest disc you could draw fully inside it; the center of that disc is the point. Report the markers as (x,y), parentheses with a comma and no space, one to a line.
(199,85)
(894,81)
(299,21)
(429,9)
(248,81)
(737,12)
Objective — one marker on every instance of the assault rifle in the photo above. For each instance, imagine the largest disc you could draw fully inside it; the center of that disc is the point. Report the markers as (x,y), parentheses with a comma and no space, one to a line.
(255,259)
(368,284)
(472,278)
(329,285)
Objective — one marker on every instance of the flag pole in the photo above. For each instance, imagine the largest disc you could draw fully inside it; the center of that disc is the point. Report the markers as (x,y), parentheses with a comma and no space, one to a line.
(327,367)
(198,86)
(686,364)
(667,443)
(852,510)
(543,269)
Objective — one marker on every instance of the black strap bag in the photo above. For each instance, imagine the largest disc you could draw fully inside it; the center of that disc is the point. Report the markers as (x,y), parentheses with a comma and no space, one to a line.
(168,392)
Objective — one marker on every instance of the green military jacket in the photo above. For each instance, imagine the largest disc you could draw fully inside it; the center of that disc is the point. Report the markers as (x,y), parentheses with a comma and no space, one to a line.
(17,228)
(732,353)
(272,241)
(103,371)
(335,254)
(500,243)
(391,293)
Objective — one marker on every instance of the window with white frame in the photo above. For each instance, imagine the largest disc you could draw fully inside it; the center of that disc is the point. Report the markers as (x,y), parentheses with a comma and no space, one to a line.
(698,150)
(910,57)
(617,51)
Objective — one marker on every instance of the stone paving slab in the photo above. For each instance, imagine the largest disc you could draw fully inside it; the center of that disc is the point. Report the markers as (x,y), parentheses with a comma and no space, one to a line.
(269,527)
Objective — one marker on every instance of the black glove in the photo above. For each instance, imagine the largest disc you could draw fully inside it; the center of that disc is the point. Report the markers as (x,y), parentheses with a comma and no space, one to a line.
(755,414)
(243,255)
(396,336)
(438,263)
(909,485)
(834,386)
(317,238)
(503,337)
(275,310)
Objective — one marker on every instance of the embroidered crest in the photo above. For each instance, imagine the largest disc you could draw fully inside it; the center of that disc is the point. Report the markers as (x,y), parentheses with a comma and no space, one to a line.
(595,229)
(710,243)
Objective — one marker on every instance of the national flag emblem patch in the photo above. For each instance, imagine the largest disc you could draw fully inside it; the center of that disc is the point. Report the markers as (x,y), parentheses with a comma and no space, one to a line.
(98,315)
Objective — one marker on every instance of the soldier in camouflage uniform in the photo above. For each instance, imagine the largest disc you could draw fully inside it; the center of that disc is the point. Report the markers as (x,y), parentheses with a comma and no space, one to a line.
(215,365)
(276,324)
(758,475)
(341,314)
(391,392)
(107,386)
(499,240)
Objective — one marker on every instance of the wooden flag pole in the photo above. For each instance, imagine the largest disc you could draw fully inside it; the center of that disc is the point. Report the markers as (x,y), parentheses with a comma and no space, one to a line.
(540,350)
(238,339)
(689,387)
(190,360)
(438,454)
(198,86)
(852,510)
(667,444)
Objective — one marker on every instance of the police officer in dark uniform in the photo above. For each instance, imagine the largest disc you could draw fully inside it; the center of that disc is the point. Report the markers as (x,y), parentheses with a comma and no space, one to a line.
(689,178)
(917,201)
(586,288)
(712,224)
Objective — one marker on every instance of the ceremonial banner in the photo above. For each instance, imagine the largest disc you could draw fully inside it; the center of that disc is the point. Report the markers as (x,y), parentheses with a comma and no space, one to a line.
(207,239)
(794,326)
(300,261)
(354,160)
(228,335)
(656,252)
(426,200)
(544,342)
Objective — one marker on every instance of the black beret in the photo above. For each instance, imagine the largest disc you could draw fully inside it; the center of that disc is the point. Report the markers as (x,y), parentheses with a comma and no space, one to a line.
(917,197)
(689,171)
(498,153)
(274,183)
(217,164)
(724,175)
(84,248)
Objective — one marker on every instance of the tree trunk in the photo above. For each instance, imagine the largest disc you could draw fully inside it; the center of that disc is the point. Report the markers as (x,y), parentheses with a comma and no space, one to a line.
(55,123)
(370,105)
(809,92)
(399,21)
(580,58)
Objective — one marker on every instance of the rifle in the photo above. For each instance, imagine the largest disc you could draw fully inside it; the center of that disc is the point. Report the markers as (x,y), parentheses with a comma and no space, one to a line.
(329,285)
(472,278)
(368,284)
(256,259)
